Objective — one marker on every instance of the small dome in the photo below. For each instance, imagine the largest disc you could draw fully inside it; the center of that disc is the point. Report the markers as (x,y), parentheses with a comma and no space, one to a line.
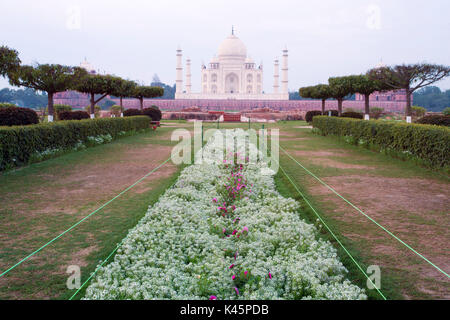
(249,60)
(233,47)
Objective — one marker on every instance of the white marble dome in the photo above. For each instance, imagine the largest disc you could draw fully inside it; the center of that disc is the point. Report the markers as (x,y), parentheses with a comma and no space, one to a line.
(232,47)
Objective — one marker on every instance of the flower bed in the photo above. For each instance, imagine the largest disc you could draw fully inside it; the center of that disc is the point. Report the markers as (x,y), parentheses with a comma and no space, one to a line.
(224,232)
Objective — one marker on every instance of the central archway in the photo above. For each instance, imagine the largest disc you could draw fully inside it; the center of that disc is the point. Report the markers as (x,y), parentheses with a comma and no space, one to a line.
(232,83)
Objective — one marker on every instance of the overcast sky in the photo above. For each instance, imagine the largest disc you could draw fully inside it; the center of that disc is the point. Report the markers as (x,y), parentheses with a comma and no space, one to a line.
(136,39)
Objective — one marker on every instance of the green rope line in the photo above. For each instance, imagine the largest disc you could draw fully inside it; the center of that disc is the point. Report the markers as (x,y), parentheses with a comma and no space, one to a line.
(107,258)
(98,268)
(76,224)
(368,217)
(332,233)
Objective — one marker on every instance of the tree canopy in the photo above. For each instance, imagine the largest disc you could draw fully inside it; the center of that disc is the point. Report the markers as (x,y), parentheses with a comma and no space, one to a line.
(51,78)
(9,61)
(340,87)
(410,77)
(102,85)
(142,92)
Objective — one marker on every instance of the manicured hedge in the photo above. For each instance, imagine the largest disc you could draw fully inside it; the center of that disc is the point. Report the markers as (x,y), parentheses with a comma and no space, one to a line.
(153,113)
(310,114)
(19,143)
(352,114)
(73,115)
(429,143)
(11,116)
(435,119)
(132,112)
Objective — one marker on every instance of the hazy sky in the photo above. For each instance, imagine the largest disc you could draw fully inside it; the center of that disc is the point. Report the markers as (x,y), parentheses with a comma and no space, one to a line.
(136,39)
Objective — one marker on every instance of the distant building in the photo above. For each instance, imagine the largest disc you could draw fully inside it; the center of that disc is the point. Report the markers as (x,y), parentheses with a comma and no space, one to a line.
(232,75)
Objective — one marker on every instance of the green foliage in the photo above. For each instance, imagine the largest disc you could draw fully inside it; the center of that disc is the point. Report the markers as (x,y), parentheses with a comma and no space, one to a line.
(58,108)
(320,91)
(310,114)
(27,97)
(13,116)
(430,144)
(436,119)
(115,110)
(7,105)
(352,114)
(97,110)
(418,111)
(147,92)
(50,78)
(18,144)
(376,112)
(432,98)
(9,60)
(132,112)
(446,111)
(340,87)
(154,113)
(73,115)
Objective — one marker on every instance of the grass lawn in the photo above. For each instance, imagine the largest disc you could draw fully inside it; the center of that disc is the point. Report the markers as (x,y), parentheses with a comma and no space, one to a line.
(410,201)
(44,199)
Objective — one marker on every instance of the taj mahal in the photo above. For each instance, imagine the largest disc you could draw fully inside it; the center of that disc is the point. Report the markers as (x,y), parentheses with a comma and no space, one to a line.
(232,75)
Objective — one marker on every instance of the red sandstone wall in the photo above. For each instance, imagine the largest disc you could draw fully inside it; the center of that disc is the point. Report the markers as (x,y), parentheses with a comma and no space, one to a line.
(246,105)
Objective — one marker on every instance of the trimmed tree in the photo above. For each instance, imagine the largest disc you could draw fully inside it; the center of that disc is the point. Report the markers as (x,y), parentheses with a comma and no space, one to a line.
(321,91)
(9,61)
(410,78)
(340,87)
(98,87)
(364,85)
(51,78)
(124,89)
(142,92)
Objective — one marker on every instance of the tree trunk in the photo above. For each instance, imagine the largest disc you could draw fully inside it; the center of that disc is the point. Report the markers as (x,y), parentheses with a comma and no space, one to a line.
(92,111)
(142,103)
(340,106)
(50,107)
(323,106)
(121,107)
(366,106)
(408,103)
(408,106)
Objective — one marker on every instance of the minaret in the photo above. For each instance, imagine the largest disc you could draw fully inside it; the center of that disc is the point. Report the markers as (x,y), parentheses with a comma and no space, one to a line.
(276,76)
(179,80)
(188,76)
(284,72)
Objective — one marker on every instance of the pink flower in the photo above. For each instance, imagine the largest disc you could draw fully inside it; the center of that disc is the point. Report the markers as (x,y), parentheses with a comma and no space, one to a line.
(224,230)
(245,273)
(232,266)
(237,290)
(245,229)
(215,200)
(270,275)
(233,277)
(212,298)
(234,232)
